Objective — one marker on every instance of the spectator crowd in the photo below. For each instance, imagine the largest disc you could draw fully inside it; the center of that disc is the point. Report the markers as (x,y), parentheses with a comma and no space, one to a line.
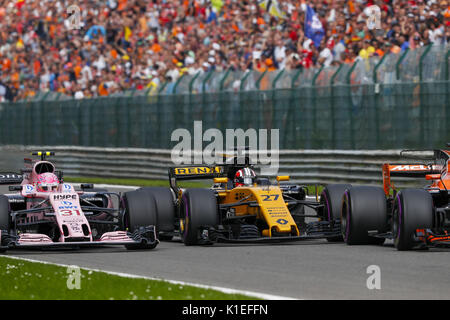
(140,44)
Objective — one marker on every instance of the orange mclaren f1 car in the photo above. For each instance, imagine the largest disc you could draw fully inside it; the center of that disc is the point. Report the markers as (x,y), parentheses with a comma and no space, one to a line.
(414,217)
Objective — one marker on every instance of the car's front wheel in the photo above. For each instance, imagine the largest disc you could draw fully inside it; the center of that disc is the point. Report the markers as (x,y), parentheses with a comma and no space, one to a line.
(198,208)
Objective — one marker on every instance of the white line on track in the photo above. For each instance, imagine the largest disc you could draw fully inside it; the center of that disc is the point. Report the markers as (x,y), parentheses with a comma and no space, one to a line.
(126,275)
(221,289)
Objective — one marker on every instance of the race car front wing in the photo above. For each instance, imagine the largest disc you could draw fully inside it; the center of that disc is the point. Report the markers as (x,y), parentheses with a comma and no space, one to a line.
(314,230)
(141,238)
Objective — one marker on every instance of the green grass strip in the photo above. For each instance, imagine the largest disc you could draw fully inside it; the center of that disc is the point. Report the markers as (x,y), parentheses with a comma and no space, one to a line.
(160,183)
(136,182)
(25,280)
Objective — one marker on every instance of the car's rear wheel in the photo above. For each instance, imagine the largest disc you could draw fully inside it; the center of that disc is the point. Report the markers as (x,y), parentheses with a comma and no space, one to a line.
(5,217)
(412,210)
(165,210)
(198,208)
(331,199)
(363,210)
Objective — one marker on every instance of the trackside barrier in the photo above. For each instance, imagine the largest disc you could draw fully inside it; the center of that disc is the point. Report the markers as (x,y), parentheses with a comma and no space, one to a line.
(304,166)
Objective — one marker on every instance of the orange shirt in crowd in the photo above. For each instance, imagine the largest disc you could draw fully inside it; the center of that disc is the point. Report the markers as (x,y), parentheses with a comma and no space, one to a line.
(36,67)
(77,70)
(102,91)
(156,47)
(379,52)
(122,5)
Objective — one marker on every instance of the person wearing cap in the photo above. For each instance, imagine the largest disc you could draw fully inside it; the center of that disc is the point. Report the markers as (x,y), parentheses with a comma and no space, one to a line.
(205,67)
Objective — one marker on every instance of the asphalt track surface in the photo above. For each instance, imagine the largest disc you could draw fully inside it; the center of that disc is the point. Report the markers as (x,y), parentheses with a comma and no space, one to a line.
(313,269)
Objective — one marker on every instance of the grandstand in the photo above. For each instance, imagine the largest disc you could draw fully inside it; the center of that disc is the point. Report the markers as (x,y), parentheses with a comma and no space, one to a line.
(148,46)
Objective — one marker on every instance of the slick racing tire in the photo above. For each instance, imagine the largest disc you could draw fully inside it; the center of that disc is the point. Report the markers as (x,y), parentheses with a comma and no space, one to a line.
(140,210)
(165,210)
(198,208)
(412,210)
(5,217)
(363,209)
(331,198)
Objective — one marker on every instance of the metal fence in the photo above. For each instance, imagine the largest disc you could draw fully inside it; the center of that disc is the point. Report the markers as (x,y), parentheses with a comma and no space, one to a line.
(303,166)
(397,101)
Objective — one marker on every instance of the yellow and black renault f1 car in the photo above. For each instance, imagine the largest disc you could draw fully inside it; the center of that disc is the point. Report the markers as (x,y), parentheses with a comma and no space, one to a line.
(260,212)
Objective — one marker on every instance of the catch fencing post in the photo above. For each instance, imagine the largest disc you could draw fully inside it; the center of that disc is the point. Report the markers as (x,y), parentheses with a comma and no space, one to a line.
(191,87)
(222,94)
(204,104)
(41,120)
(177,83)
(314,88)
(191,83)
(349,84)
(421,95)
(160,90)
(291,112)
(333,120)
(274,82)
(377,98)
(399,61)
(159,109)
(447,94)
(275,107)
(258,81)
(241,88)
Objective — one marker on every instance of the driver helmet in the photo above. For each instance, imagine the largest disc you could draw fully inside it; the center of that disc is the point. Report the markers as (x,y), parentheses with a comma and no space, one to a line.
(244,177)
(47,182)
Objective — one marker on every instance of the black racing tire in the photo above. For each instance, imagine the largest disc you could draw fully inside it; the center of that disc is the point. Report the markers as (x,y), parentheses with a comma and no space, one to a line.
(165,208)
(198,208)
(140,210)
(364,208)
(5,216)
(412,210)
(331,198)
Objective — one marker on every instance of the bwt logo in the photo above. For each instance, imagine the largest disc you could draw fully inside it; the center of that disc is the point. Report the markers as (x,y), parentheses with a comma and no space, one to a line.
(190,151)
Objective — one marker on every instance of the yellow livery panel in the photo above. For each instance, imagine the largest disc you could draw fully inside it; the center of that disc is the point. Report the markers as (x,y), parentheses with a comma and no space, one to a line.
(271,207)
(196,170)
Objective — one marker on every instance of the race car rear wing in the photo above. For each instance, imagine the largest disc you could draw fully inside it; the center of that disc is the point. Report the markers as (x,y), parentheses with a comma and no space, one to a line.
(406,170)
(193,172)
(10,178)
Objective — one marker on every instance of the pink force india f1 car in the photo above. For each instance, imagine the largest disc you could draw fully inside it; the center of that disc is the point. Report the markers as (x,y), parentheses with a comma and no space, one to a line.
(45,212)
